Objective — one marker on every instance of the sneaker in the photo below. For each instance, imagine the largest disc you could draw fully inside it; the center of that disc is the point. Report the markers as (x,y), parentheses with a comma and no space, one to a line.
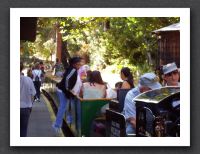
(56,129)
(37,100)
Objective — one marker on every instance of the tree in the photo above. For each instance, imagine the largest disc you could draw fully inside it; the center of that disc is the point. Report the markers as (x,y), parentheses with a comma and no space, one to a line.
(50,46)
(131,39)
(119,41)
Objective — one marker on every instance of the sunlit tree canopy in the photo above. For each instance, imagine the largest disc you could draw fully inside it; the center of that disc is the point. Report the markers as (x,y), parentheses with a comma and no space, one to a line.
(107,41)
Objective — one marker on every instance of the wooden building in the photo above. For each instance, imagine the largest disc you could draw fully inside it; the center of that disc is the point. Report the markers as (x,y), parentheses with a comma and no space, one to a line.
(168,45)
(28,28)
(28,32)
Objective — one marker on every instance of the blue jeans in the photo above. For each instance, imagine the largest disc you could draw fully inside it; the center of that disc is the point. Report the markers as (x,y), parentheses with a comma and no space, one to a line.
(24,118)
(61,109)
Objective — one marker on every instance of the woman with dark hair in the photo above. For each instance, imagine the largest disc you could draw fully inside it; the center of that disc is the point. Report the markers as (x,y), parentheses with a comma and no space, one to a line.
(94,88)
(127,78)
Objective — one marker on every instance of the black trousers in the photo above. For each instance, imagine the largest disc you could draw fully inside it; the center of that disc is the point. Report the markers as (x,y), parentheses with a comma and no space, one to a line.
(37,85)
(24,118)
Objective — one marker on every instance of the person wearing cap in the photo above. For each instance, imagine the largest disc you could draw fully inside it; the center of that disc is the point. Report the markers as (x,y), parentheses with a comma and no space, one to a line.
(171,78)
(171,74)
(67,84)
(148,81)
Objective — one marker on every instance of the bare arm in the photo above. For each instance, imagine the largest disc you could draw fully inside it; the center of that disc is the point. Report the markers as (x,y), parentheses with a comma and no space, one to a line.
(125,85)
(105,94)
(81,92)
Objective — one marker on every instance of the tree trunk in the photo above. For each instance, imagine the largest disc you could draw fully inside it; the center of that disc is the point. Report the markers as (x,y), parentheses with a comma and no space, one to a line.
(65,55)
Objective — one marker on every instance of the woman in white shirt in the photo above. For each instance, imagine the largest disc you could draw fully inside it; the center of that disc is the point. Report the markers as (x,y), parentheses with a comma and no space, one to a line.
(95,88)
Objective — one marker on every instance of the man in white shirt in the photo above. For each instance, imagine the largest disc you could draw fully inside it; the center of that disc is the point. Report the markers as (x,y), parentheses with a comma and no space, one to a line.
(27,92)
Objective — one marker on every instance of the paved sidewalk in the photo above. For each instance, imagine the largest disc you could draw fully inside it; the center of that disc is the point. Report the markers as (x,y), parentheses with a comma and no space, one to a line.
(41,119)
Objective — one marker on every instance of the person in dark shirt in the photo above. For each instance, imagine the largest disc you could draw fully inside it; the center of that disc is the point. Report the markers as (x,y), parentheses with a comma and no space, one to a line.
(127,78)
(63,90)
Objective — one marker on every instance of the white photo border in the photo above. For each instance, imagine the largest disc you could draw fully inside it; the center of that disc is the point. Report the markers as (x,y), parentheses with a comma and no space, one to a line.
(16,13)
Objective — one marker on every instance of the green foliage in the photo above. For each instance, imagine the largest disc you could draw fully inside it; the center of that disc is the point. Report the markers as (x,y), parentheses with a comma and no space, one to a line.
(124,41)
(46,28)
(44,45)
(50,47)
(27,49)
(131,38)
(117,41)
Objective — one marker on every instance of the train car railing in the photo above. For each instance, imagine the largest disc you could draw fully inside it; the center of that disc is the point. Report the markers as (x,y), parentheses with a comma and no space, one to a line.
(89,110)
(80,113)
(115,124)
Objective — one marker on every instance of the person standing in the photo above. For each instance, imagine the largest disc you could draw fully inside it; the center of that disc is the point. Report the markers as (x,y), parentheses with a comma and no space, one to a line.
(27,92)
(37,74)
(58,68)
(29,71)
(43,72)
(64,87)
(83,70)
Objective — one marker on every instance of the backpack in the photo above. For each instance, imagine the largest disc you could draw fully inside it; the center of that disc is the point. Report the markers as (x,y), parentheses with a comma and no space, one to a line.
(37,78)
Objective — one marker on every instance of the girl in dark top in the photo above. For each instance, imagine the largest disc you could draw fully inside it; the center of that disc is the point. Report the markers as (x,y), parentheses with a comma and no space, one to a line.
(127,78)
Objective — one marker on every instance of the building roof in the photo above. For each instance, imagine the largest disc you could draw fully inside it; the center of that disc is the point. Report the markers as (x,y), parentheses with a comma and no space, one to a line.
(173,27)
